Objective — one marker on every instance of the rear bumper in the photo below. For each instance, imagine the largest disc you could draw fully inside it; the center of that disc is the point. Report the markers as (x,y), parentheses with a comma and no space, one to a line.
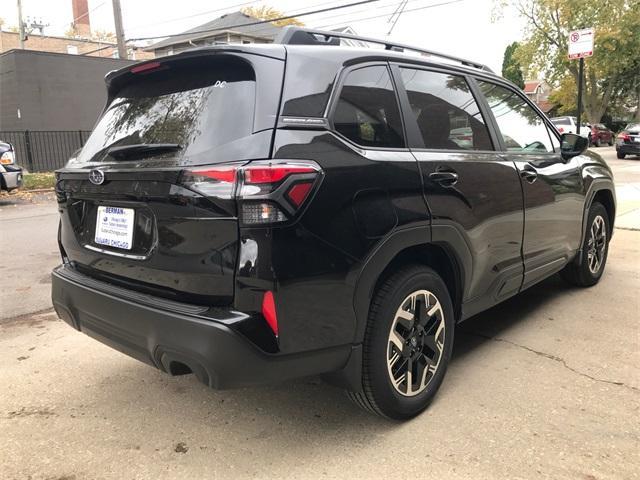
(630,148)
(11,179)
(168,336)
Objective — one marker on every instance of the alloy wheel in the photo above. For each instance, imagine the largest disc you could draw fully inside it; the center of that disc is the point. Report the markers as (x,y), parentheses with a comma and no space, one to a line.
(596,245)
(416,343)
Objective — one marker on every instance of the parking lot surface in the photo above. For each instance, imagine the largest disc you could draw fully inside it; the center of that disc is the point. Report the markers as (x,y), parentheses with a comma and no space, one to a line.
(545,385)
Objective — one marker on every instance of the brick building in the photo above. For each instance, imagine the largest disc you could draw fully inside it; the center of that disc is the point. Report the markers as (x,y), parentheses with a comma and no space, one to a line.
(73,46)
(80,44)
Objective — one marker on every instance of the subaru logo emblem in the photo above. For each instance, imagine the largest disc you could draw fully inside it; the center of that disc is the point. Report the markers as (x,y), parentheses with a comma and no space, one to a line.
(96,177)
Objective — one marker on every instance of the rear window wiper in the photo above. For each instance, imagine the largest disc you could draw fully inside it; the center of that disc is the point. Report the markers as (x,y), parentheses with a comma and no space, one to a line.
(142,150)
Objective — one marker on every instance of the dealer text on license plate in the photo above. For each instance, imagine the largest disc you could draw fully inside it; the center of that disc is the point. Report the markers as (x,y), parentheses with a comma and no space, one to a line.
(114,227)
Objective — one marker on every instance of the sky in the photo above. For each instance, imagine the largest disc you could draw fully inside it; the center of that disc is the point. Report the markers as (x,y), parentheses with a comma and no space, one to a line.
(463,28)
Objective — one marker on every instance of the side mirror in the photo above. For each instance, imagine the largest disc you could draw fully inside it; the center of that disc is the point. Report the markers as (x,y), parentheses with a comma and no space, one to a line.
(572,145)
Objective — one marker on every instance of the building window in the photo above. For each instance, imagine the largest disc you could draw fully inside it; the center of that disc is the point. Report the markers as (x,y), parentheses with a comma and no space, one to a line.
(72,49)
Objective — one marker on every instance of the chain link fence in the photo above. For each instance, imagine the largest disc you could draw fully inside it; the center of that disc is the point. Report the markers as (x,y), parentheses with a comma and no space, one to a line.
(44,151)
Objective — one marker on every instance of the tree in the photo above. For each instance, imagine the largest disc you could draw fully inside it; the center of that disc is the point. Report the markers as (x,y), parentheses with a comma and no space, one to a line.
(511,68)
(617,39)
(96,35)
(269,13)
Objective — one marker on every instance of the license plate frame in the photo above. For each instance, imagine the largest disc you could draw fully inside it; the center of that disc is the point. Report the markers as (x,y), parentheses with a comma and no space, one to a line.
(114,227)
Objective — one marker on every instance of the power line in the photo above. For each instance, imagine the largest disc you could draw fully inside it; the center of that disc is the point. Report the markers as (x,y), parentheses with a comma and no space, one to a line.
(286,17)
(397,15)
(378,8)
(391,5)
(406,11)
(171,20)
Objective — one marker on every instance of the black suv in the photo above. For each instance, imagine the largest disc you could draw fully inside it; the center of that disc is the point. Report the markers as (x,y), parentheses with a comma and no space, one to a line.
(255,213)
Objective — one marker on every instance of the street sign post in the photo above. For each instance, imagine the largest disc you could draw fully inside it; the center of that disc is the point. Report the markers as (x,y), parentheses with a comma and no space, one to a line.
(580,46)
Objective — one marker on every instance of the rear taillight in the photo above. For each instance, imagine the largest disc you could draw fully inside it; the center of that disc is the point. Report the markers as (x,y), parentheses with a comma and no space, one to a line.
(561,130)
(268,192)
(624,137)
(6,158)
(212,181)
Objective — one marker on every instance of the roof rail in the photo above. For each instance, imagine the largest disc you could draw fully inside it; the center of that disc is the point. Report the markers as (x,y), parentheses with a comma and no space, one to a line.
(306,36)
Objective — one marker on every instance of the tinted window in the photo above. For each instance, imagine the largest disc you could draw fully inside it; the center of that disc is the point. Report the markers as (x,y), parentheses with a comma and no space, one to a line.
(561,121)
(447,114)
(367,112)
(523,130)
(189,105)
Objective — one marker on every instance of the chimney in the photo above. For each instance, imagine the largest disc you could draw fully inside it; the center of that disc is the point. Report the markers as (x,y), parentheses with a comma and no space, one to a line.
(81,18)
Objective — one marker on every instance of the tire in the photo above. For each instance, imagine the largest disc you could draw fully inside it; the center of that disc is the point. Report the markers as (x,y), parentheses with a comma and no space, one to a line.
(427,342)
(595,249)
(597,143)
(620,155)
(610,142)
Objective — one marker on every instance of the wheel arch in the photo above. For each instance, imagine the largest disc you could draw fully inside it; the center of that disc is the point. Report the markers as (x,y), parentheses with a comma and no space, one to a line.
(410,247)
(601,190)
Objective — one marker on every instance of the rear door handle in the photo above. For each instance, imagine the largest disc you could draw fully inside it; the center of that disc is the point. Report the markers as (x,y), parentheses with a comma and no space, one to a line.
(446,179)
(529,175)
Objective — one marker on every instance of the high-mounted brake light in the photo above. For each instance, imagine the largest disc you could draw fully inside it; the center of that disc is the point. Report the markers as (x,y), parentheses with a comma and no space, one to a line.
(145,67)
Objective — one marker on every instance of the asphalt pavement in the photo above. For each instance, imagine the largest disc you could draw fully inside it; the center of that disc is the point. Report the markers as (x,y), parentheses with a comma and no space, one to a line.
(545,385)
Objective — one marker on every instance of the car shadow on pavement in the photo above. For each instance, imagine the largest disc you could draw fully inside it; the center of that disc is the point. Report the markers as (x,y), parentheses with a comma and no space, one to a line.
(491,323)
(306,408)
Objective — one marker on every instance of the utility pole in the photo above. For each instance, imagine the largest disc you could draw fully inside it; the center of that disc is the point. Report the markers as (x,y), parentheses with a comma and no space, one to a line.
(117,19)
(20,24)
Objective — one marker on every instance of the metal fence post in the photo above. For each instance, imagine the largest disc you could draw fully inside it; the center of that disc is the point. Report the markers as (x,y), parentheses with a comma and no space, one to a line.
(27,144)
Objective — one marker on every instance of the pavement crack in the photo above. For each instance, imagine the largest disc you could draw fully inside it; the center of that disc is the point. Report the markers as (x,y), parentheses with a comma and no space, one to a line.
(555,358)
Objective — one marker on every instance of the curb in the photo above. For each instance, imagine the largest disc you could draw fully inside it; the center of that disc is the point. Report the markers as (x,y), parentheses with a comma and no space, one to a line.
(37,190)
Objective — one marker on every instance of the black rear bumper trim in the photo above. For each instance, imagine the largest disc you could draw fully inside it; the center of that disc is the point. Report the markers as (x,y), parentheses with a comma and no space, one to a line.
(219,356)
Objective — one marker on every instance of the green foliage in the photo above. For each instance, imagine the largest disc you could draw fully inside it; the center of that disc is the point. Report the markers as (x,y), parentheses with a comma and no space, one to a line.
(269,13)
(511,68)
(613,69)
(36,181)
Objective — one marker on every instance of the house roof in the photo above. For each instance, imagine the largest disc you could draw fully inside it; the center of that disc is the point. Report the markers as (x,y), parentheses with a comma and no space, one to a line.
(530,86)
(545,105)
(230,22)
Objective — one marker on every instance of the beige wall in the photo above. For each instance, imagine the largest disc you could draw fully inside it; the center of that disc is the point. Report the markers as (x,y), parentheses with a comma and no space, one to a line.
(10,41)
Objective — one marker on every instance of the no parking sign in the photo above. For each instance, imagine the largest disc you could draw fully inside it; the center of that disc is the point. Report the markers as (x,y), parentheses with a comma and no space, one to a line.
(581,43)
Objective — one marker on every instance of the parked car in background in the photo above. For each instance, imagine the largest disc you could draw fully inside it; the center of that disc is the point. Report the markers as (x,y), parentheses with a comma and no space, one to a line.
(601,134)
(10,173)
(628,141)
(335,224)
(570,125)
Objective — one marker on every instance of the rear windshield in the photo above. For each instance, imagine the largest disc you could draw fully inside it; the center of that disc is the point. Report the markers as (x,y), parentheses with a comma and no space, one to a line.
(561,121)
(200,107)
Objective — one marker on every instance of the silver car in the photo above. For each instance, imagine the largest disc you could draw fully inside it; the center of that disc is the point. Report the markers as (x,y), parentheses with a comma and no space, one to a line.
(10,173)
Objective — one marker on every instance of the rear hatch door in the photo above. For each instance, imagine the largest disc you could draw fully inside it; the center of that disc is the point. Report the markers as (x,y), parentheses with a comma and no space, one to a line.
(133,211)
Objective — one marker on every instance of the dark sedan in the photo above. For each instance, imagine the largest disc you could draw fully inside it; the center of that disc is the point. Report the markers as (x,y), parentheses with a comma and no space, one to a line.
(628,141)
(10,173)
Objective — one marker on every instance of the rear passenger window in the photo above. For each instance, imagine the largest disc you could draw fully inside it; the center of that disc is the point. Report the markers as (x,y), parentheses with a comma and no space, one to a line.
(367,112)
(522,128)
(447,114)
